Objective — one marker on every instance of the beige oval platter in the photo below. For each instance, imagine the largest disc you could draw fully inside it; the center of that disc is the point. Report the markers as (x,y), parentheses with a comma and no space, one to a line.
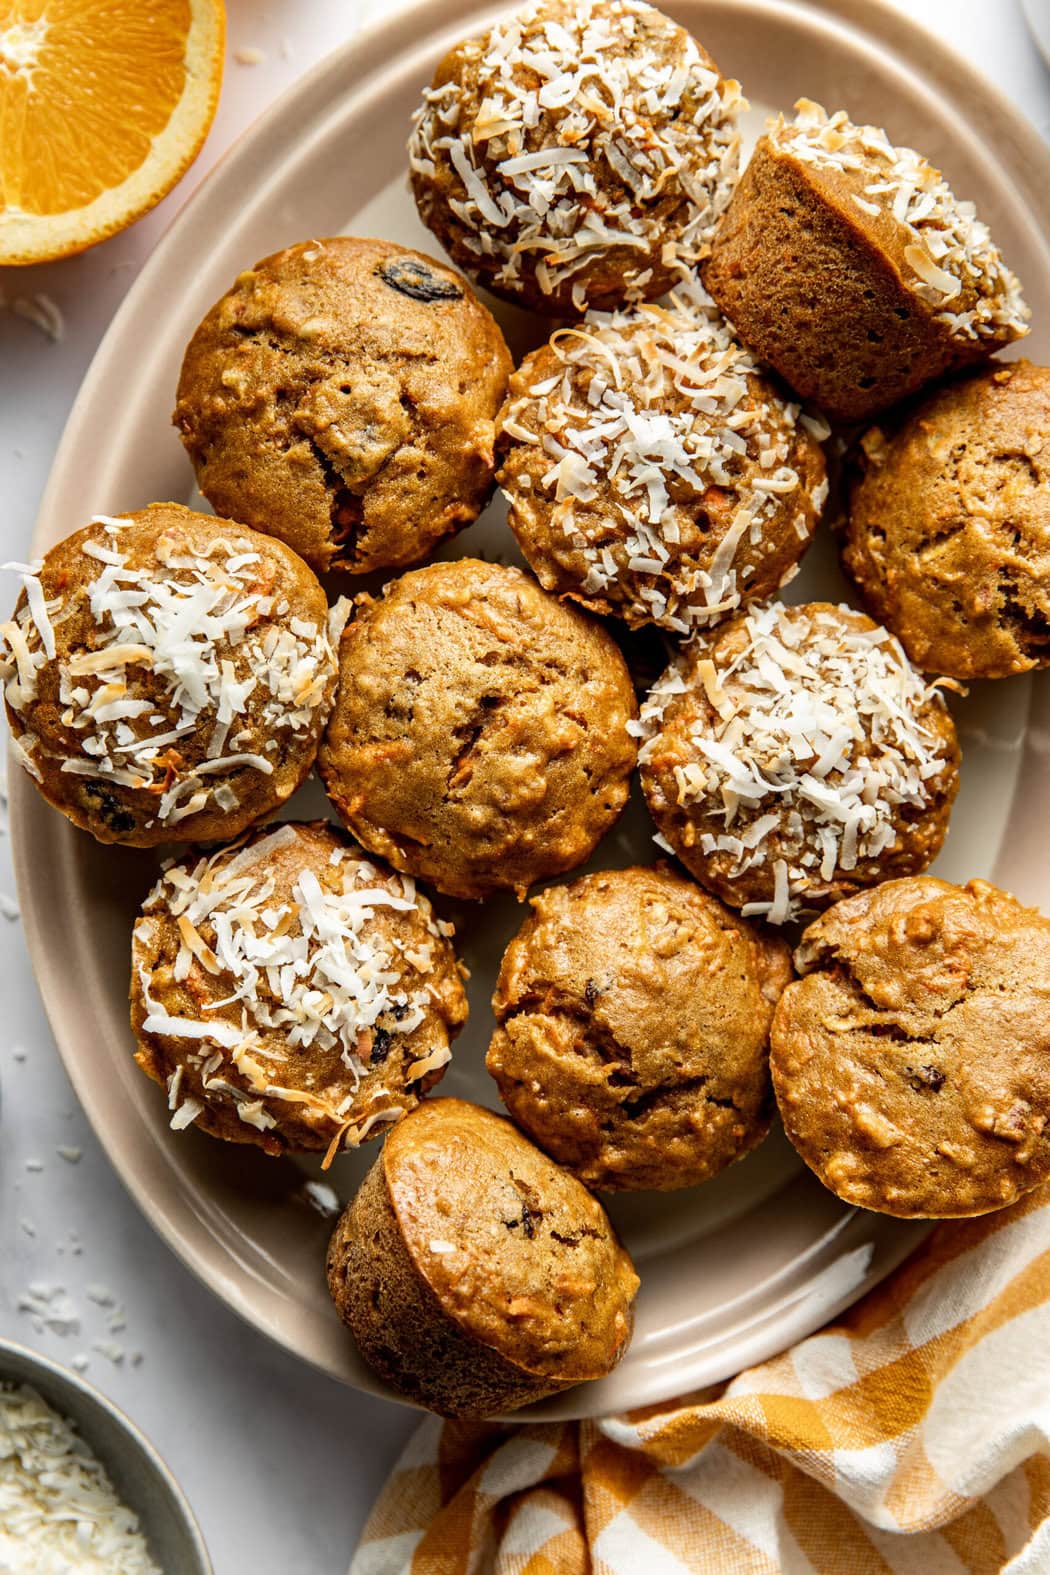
(731,1272)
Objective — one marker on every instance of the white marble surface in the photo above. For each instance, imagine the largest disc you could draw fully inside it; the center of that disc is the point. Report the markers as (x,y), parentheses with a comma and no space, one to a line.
(280,1464)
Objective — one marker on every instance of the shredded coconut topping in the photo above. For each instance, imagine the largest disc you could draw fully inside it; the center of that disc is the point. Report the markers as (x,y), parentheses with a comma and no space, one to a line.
(59,1510)
(209,634)
(950,250)
(306,971)
(656,418)
(811,741)
(598,128)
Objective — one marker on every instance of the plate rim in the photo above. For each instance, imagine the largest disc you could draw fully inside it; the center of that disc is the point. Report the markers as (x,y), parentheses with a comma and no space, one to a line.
(1018,148)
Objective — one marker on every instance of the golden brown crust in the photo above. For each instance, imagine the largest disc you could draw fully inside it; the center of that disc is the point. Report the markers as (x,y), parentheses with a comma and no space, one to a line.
(324,1058)
(479,737)
(800,820)
(949,529)
(657,170)
(75,730)
(500,1284)
(633,1036)
(820,290)
(341,396)
(911,1062)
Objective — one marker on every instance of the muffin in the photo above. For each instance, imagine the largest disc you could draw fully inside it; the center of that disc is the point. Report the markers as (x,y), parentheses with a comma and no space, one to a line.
(794,756)
(479,739)
(288,992)
(658,498)
(167,675)
(341,396)
(577,154)
(912,1060)
(949,524)
(851,267)
(475,1274)
(633,1037)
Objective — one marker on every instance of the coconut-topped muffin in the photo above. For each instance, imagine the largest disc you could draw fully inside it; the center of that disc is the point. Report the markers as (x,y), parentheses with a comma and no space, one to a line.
(653,471)
(794,756)
(577,154)
(849,265)
(289,992)
(167,675)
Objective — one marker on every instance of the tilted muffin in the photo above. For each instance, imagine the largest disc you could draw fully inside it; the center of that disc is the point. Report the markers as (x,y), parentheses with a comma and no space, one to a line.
(577,154)
(479,739)
(288,992)
(851,267)
(652,470)
(633,1037)
(475,1274)
(794,755)
(167,675)
(912,1060)
(341,395)
(949,524)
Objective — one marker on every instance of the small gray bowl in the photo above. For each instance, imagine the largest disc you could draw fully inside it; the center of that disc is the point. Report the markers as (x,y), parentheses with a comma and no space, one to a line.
(137,1472)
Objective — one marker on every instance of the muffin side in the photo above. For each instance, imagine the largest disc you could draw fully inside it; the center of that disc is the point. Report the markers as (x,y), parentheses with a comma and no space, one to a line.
(503,1284)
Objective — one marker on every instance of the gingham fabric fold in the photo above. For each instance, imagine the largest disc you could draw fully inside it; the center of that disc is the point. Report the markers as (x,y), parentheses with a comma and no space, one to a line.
(908,1438)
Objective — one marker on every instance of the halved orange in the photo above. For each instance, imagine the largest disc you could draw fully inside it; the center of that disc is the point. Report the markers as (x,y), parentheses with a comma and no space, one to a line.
(103,105)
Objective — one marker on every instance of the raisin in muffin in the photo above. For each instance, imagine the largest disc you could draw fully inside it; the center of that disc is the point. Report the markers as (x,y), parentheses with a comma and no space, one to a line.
(912,1059)
(794,755)
(633,1016)
(475,1274)
(577,154)
(662,495)
(479,739)
(850,266)
(167,675)
(341,395)
(291,993)
(949,524)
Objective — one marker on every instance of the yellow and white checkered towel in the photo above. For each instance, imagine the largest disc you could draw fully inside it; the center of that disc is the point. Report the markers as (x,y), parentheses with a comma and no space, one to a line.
(913,1435)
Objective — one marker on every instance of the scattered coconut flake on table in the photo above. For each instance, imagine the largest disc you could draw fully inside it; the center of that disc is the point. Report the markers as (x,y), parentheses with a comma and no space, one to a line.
(50,1308)
(59,1511)
(9,908)
(70,1153)
(40,310)
(249,56)
(321,1197)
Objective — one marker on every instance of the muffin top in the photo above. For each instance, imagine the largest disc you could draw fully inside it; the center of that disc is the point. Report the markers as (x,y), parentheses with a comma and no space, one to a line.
(794,755)
(944,251)
(515,1249)
(167,675)
(289,992)
(479,738)
(910,1062)
(577,154)
(341,395)
(653,471)
(633,1014)
(949,528)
